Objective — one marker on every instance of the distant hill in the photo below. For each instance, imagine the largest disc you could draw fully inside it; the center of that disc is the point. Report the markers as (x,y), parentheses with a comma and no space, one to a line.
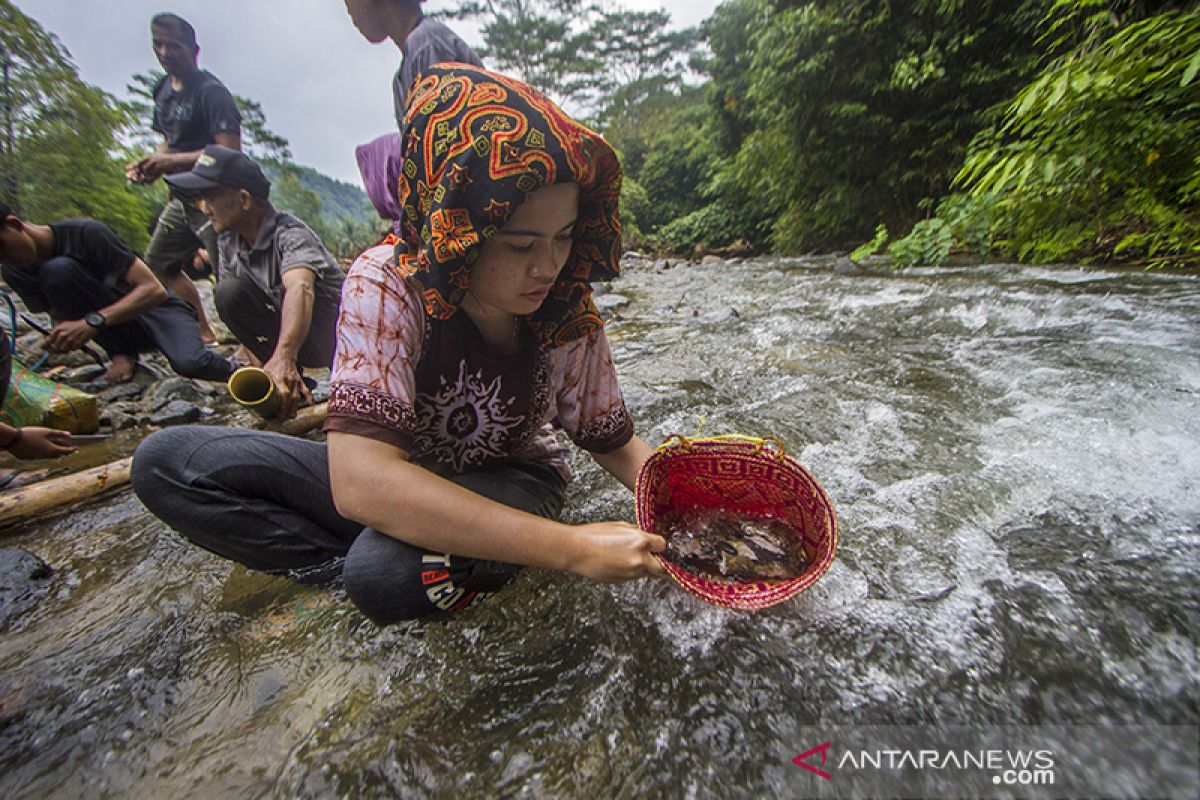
(339,200)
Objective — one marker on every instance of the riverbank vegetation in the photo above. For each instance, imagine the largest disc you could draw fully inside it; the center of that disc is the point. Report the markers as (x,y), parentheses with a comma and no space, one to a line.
(1034,130)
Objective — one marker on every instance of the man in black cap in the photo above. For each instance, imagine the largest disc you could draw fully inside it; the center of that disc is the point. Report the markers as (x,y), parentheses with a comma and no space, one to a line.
(280,289)
(192,108)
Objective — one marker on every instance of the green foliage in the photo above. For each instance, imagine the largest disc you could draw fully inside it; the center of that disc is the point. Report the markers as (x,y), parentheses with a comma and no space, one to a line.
(674,174)
(1098,158)
(714,226)
(635,204)
(962,223)
(599,60)
(542,42)
(872,247)
(929,242)
(339,200)
(840,114)
(640,58)
(64,157)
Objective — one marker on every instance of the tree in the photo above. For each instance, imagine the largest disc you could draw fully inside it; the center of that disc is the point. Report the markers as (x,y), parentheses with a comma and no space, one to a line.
(542,42)
(847,113)
(1098,157)
(640,57)
(593,59)
(62,156)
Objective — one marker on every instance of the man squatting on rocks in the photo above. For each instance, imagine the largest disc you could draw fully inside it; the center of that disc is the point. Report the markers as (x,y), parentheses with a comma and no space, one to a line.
(454,359)
(279,289)
(95,287)
(192,108)
(423,42)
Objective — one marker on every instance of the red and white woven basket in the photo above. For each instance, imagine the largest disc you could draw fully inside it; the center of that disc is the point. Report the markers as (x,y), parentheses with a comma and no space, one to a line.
(754,477)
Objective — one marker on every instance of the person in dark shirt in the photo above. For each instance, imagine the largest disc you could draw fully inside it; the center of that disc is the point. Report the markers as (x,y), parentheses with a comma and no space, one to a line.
(192,108)
(95,287)
(423,42)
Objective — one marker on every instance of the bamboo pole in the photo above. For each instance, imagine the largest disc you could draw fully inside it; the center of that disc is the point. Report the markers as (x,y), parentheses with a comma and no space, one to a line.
(37,498)
(56,494)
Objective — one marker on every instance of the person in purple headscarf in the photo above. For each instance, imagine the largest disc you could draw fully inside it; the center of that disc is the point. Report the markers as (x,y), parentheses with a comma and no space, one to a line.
(379,165)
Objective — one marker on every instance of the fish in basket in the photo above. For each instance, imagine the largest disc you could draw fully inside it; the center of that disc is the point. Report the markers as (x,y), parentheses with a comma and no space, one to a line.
(746,525)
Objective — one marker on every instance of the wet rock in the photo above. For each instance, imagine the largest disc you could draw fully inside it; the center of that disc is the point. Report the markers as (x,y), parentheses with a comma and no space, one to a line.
(143,376)
(30,342)
(176,388)
(844,266)
(721,315)
(24,580)
(118,420)
(122,391)
(632,254)
(711,259)
(175,412)
(599,289)
(88,372)
(609,302)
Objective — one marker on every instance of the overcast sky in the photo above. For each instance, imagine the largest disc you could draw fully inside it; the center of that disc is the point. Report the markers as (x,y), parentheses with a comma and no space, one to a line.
(320,83)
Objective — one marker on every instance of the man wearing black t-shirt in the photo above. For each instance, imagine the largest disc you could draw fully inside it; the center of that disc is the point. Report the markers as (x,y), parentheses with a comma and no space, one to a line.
(95,287)
(192,109)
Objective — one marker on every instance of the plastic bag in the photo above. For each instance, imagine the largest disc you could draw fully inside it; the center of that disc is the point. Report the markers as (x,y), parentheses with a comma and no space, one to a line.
(34,400)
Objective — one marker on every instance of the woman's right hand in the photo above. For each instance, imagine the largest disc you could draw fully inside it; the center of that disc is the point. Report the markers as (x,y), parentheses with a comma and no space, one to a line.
(616,551)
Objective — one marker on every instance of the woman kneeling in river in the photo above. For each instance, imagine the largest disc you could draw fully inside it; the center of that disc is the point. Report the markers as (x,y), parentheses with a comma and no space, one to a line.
(453,361)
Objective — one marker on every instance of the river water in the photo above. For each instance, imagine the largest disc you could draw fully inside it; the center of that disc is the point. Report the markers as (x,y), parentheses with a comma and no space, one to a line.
(1012,453)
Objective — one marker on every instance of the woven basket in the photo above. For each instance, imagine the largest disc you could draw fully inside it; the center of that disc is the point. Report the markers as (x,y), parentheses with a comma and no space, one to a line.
(745,476)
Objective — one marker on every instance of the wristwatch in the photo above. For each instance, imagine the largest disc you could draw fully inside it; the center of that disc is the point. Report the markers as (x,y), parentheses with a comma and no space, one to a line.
(95,319)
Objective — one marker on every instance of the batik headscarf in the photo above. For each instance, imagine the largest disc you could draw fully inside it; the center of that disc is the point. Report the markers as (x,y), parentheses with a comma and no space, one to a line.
(476,145)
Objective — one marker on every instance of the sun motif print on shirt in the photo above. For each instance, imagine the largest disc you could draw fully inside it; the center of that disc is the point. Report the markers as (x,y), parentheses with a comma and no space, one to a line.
(465,422)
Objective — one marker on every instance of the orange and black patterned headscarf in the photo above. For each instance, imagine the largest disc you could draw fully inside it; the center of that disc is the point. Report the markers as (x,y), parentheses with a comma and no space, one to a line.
(475,146)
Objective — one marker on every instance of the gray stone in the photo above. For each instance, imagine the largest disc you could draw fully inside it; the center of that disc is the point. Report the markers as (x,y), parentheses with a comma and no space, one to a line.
(844,266)
(24,580)
(88,372)
(176,388)
(118,420)
(632,254)
(31,341)
(122,391)
(609,302)
(711,259)
(721,315)
(175,412)
(599,289)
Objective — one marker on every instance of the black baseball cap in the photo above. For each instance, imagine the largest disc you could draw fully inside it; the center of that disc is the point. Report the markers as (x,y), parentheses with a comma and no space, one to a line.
(222,166)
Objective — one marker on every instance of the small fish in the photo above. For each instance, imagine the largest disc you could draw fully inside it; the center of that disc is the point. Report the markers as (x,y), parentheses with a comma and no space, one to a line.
(726,545)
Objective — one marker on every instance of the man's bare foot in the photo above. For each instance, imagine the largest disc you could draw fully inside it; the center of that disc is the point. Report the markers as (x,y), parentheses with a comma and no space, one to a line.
(243,356)
(121,369)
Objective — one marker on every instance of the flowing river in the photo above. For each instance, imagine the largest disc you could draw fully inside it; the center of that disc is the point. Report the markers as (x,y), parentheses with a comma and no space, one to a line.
(1013,456)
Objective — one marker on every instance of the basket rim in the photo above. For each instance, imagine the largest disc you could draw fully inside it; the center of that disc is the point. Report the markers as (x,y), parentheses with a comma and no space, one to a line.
(749,595)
